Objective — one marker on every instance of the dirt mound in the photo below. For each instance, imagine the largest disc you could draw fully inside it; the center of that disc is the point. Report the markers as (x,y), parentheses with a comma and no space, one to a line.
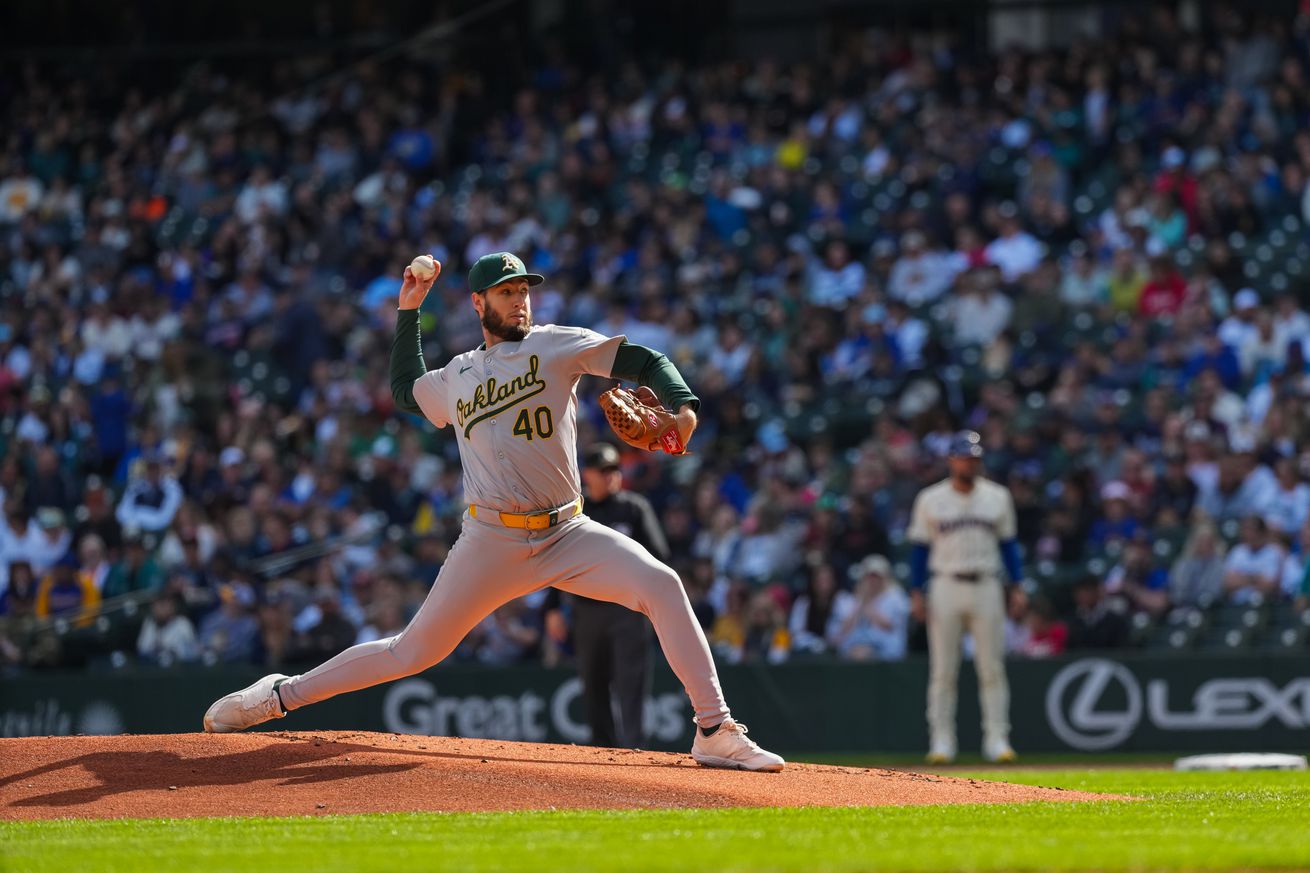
(187,775)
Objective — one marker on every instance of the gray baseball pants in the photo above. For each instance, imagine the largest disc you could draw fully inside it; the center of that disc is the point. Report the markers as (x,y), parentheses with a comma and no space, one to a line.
(489,565)
(953,608)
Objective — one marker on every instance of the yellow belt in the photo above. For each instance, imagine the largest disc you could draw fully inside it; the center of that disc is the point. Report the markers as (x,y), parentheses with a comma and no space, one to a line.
(530,520)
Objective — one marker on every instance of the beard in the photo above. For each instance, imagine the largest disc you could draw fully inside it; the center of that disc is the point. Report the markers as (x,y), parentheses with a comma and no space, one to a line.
(502,329)
(964,477)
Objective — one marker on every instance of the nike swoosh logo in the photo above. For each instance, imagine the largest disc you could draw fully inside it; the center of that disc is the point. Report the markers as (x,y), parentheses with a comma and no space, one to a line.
(469,367)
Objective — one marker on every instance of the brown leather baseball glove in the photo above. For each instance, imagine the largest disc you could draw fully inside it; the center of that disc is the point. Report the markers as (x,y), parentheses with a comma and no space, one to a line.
(640,420)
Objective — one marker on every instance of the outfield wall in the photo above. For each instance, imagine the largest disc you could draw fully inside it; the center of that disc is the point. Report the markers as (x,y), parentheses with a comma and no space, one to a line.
(1133,703)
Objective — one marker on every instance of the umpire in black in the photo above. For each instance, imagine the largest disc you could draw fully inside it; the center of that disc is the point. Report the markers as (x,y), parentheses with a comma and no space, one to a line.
(612,643)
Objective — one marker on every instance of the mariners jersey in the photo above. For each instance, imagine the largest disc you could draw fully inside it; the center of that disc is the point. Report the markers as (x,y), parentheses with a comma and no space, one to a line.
(963,530)
(514,409)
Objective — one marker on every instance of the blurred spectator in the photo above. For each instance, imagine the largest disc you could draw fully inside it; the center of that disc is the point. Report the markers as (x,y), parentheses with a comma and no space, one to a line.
(1174,178)
(733,354)
(878,621)
(1083,286)
(430,554)
(167,637)
(1175,492)
(18,600)
(1235,493)
(697,584)
(137,570)
(1015,251)
(506,636)
(111,408)
(819,613)
(92,562)
(20,192)
(1197,577)
(1017,629)
(228,633)
(191,541)
(768,549)
(1126,280)
(262,197)
(1137,580)
(49,485)
(1047,635)
(151,500)
(1046,180)
(18,608)
(322,623)
(1239,328)
(385,619)
(920,275)
(1291,322)
(64,593)
(1118,522)
(96,517)
(981,312)
(1167,225)
(1286,505)
(273,642)
(1262,354)
(1164,291)
(1253,568)
(1296,567)
(728,634)
(1098,621)
(909,334)
(764,633)
(52,541)
(19,539)
(837,279)
(1218,360)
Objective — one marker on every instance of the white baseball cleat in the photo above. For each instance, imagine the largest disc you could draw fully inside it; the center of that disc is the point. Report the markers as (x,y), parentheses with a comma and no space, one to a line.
(940,753)
(729,747)
(246,708)
(1000,753)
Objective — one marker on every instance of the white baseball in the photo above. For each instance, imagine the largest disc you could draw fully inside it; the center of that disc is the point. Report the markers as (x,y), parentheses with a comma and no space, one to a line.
(423,267)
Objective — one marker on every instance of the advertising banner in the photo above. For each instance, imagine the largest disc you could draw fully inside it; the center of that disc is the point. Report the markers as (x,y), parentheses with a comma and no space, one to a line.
(1135,703)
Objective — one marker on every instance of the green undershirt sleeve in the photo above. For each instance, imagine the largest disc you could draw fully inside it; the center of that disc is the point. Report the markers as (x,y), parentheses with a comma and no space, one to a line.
(406,360)
(647,367)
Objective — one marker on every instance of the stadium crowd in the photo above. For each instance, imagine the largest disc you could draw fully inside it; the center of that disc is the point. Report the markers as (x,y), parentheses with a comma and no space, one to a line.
(1098,257)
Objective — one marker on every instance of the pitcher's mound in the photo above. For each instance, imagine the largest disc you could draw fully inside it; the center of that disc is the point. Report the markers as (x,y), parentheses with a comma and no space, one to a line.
(261,774)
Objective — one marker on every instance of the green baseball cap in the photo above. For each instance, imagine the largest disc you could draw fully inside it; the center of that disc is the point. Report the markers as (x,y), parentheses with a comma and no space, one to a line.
(496,267)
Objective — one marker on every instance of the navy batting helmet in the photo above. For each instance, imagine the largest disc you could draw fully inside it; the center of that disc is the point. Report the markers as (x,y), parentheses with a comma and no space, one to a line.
(966,444)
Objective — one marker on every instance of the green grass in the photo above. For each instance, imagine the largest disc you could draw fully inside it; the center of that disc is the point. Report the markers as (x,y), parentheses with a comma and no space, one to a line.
(1187,821)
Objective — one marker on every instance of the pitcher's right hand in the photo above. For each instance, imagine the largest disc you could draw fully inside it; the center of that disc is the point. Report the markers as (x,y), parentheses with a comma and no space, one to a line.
(413,290)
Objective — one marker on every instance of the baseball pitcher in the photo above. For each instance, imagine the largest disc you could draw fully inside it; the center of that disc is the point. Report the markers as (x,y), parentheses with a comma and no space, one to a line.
(513,404)
(962,530)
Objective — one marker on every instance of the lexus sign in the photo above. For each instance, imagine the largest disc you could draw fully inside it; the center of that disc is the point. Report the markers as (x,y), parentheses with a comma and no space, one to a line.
(1095,704)
(1075,707)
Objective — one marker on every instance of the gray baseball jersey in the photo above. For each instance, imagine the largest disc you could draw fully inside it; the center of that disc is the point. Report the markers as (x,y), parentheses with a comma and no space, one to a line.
(514,408)
(964,530)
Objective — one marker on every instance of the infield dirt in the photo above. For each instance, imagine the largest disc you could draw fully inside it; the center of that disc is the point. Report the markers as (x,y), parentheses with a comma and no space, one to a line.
(322,773)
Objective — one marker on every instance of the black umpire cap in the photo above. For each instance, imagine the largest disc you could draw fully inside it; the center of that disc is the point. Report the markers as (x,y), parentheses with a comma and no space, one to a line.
(966,444)
(601,456)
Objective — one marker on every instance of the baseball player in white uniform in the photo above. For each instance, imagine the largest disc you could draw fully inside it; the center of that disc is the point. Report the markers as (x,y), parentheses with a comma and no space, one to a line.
(963,530)
(513,404)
